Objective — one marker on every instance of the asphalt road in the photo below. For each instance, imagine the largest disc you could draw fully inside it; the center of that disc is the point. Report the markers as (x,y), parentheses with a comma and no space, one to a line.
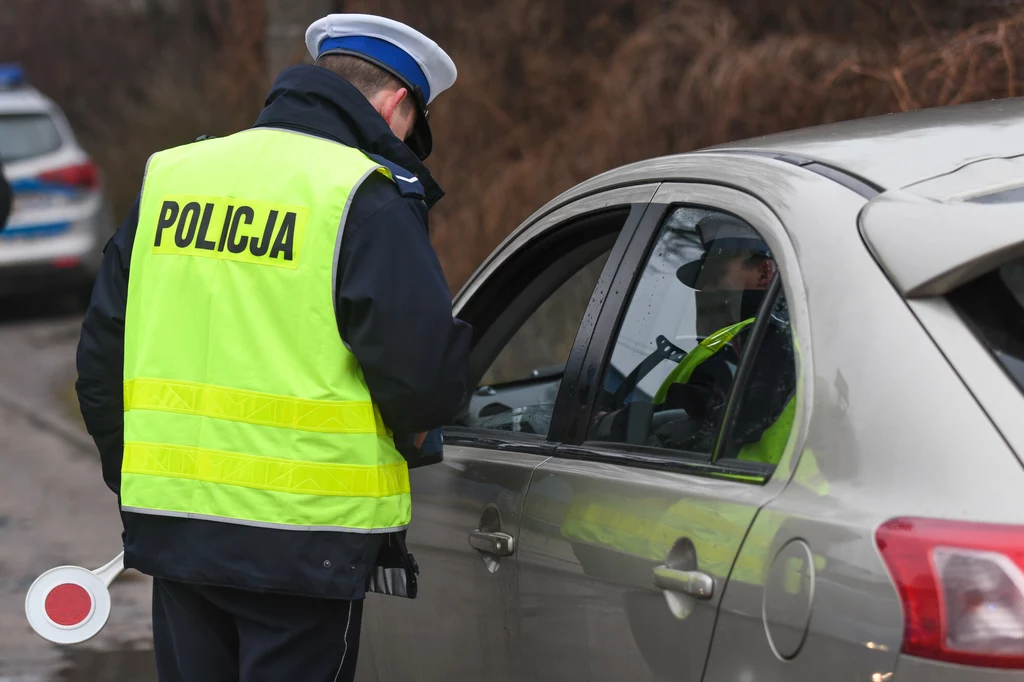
(54,507)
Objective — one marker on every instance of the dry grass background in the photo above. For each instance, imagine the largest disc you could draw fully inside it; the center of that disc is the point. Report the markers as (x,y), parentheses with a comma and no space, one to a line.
(549,92)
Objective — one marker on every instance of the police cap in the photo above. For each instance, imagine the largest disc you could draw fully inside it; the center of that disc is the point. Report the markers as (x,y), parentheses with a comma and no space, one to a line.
(414,59)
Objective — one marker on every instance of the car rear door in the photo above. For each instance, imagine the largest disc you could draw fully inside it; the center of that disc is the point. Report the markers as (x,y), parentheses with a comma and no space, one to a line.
(630,533)
(532,306)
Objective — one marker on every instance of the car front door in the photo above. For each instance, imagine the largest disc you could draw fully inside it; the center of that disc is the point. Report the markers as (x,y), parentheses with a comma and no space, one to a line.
(528,304)
(631,530)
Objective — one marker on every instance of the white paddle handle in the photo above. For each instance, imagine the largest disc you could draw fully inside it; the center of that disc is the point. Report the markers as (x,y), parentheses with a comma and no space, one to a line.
(110,571)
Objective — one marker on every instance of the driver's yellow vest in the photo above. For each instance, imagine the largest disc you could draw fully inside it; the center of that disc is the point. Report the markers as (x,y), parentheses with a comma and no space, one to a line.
(242,403)
(769,447)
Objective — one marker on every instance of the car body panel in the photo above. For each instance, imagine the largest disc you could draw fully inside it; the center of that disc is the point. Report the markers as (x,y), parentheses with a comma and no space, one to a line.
(591,538)
(974,181)
(465,620)
(911,669)
(897,150)
(983,376)
(926,247)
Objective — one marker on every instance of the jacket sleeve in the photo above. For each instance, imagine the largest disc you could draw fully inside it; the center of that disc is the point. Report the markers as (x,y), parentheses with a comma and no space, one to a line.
(100,355)
(395,311)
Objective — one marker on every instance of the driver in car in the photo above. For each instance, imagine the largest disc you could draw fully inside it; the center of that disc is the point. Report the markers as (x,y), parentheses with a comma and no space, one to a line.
(730,280)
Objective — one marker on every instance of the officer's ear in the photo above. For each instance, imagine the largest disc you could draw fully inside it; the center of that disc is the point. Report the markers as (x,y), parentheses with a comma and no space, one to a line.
(391,106)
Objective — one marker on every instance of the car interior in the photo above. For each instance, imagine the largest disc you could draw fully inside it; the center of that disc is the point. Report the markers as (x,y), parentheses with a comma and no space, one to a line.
(516,363)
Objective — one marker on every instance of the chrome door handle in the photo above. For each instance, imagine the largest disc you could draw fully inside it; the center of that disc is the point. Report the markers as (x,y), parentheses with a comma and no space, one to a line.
(693,583)
(496,543)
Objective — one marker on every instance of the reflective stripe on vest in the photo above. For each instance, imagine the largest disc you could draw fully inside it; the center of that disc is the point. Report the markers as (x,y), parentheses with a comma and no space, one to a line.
(242,403)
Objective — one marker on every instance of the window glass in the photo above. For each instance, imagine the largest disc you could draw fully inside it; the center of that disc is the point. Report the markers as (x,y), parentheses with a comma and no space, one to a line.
(994,305)
(518,390)
(765,410)
(688,326)
(542,344)
(23,136)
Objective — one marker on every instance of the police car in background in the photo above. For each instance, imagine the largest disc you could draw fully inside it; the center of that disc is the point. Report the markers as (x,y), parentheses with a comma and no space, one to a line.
(60,217)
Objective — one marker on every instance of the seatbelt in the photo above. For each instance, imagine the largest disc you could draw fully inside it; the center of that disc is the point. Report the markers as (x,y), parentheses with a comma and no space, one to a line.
(665,350)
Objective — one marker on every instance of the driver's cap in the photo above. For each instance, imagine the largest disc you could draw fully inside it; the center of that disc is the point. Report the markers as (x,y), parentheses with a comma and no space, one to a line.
(722,237)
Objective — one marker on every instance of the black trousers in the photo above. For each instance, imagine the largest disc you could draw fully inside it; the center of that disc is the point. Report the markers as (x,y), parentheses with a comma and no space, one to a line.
(217,634)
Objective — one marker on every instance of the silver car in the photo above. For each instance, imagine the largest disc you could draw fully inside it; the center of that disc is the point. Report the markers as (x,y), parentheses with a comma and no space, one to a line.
(60,217)
(749,413)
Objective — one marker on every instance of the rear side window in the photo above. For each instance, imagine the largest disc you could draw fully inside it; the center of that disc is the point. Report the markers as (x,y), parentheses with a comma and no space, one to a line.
(23,136)
(993,306)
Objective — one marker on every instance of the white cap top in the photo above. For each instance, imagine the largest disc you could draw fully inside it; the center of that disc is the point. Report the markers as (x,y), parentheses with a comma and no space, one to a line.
(403,50)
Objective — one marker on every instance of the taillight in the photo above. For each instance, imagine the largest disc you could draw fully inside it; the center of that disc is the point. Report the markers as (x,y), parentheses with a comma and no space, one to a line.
(81,176)
(962,587)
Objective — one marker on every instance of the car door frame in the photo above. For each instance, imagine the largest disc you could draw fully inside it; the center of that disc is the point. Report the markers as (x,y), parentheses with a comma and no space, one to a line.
(605,329)
(496,444)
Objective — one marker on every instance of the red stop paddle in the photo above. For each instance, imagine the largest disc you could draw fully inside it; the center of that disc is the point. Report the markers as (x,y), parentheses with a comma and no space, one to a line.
(70,604)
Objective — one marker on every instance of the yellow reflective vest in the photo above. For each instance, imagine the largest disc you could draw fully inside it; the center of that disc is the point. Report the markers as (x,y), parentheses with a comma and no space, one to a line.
(242,403)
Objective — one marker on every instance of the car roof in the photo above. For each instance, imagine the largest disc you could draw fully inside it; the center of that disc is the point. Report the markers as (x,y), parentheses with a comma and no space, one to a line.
(23,100)
(897,150)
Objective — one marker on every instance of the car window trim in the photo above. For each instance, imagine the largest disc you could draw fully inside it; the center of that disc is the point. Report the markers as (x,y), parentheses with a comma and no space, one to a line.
(605,323)
(561,417)
(643,457)
(503,441)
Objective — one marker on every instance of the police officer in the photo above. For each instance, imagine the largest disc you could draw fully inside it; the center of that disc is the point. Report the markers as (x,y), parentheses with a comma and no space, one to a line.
(269,329)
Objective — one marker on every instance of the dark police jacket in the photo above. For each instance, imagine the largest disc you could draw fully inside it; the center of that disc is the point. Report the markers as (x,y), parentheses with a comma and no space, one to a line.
(393,312)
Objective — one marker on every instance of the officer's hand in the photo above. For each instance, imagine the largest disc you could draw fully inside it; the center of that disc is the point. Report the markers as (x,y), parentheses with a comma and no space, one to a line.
(420,437)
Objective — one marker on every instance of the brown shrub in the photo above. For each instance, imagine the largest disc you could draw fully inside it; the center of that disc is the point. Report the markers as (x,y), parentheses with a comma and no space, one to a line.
(549,93)
(134,82)
(690,76)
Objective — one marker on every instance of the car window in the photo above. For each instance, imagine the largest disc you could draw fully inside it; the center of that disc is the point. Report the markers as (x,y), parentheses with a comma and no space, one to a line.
(993,305)
(517,392)
(689,324)
(765,406)
(24,136)
(543,342)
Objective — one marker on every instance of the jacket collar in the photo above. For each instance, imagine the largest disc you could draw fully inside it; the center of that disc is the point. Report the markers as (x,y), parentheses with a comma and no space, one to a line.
(313,100)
